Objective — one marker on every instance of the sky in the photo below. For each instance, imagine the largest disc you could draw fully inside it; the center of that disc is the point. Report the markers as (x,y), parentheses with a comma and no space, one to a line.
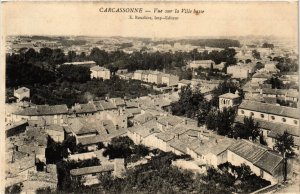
(218,19)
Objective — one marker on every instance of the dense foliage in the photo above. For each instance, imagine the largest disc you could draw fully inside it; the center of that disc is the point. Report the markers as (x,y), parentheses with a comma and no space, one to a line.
(221,121)
(123,147)
(159,176)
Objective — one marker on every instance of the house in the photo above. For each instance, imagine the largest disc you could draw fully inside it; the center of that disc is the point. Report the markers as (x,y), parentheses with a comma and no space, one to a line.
(81,128)
(89,175)
(83,109)
(142,118)
(22,93)
(229,100)
(263,162)
(260,77)
(211,150)
(98,72)
(118,102)
(143,134)
(240,71)
(155,77)
(56,132)
(55,114)
(166,122)
(270,68)
(169,79)
(42,179)
(137,75)
(201,63)
(15,128)
(183,83)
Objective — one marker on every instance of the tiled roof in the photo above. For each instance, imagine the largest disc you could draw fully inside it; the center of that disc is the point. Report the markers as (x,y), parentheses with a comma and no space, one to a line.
(277,128)
(170,120)
(79,126)
(143,131)
(91,170)
(117,101)
(248,150)
(165,136)
(84,108)
(40,110)
(270,109)
(229,96)
(98,68)
(142,118)
(262,75)
(106,105)
(55,128)
(269,161)
(131,104)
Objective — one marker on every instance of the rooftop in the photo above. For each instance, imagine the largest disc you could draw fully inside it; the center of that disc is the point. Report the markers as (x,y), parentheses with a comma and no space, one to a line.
(248,150)
(229,95)
(98,68)
(43,110)
(91,170)
(270,109)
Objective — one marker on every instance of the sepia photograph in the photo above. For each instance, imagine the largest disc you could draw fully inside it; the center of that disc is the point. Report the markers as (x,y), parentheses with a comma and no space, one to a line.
(149,97)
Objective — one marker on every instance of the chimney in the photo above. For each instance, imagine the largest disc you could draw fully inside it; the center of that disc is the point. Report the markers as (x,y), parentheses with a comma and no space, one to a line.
(185,122)
(216,141)
(178,136)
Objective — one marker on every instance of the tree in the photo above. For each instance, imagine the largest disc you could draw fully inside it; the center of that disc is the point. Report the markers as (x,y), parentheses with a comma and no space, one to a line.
(256,54)
(284,144)
(221,121)
(191,104)
(247,129)
(248,61)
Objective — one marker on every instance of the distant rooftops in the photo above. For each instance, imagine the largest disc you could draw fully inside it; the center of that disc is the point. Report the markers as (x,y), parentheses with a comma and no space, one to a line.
(81,63)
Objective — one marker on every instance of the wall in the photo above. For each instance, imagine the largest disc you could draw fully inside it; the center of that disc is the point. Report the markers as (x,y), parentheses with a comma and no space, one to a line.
(268,117)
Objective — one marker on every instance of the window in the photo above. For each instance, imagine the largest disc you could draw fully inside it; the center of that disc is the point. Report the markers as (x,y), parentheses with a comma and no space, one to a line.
(243,112)
(251,114)
(272,117)
(261,173)
(295,122)
(283,120)
(262,115)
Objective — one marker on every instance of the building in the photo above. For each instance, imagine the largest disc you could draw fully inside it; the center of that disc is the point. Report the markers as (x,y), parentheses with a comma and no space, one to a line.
(155,77)
(137,75)
(98,72)
(211,150)
(260,77)
(22,93)
(56,132)
(273,120)
(169,79)
(240,71)
(229,100)
(55,114)
(269,112)
(201,63)
(263,162)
